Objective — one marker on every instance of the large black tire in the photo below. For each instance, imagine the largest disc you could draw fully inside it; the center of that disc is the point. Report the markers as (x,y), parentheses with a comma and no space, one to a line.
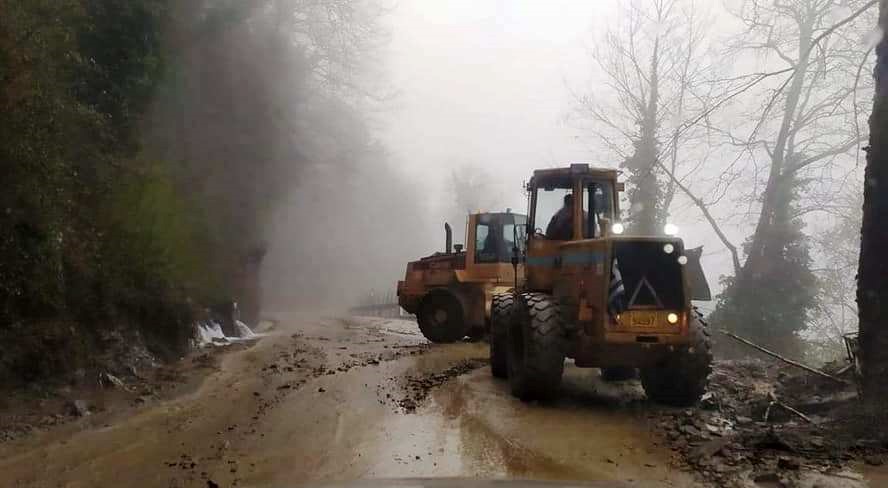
(441,318)
(500,318)
(536,347)
(618,373)
(681,379)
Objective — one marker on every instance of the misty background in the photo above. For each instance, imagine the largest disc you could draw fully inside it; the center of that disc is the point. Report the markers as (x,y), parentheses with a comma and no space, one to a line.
(487,90)
(168,158)
(475,95)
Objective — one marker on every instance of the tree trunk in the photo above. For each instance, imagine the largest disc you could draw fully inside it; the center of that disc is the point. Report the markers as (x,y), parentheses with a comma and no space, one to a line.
(769,298)
(872,276)
(646,197)
(779,172)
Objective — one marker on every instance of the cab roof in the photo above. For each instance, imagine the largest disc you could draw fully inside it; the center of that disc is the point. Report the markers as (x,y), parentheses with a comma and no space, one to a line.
(566,174)
(499,214)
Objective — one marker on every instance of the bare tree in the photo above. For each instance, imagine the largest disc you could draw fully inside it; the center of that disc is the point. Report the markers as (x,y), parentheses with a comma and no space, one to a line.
(470,191)
(838,250)
(803,125)
(653,62)
(872,281)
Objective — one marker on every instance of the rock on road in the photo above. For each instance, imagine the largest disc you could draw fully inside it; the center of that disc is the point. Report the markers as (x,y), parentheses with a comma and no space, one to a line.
(357,398)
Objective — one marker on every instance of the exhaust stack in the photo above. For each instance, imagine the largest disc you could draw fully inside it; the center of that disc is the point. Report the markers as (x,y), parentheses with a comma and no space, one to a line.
(448,243)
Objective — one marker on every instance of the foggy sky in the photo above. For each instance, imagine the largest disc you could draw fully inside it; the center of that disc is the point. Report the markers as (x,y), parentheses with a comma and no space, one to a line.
(490,83)
(487,83)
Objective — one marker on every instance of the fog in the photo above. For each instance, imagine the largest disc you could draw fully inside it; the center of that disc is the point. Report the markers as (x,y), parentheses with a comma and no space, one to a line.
(478,85)
(493,85)
(472,96)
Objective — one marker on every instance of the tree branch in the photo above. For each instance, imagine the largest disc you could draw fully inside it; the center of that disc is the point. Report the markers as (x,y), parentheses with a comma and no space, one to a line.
(832,152)
(735,257)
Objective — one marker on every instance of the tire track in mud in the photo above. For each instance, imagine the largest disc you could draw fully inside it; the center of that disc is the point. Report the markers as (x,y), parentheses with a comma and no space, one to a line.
(406,393)
(283,373)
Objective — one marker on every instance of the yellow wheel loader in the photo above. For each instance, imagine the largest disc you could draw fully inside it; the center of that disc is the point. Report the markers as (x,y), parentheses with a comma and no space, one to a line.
(606,300)
(450,291)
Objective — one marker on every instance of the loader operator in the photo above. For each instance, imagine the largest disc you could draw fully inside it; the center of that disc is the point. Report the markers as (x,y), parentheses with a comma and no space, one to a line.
(560,228)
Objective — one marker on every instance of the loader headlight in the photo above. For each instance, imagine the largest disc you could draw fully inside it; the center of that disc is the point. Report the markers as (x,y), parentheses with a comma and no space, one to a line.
(672,318)
(617,228)
(670,229)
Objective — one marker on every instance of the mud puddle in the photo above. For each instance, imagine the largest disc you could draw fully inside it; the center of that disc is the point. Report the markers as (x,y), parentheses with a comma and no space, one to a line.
(323,401)
(466,425)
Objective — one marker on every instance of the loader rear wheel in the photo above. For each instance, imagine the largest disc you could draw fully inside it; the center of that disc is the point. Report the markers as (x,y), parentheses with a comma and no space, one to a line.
(618,373)
(500,318)
(536,344)
(441,318)
(681,379)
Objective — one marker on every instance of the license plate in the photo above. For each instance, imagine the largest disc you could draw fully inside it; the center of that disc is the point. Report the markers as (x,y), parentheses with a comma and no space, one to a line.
(644,319)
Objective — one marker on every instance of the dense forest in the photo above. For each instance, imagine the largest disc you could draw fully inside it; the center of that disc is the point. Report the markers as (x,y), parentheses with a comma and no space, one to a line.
(146,147)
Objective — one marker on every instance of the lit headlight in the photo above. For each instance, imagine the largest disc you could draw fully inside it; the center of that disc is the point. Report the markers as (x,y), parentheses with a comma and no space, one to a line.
(670,229)
(672,318)
(617,228)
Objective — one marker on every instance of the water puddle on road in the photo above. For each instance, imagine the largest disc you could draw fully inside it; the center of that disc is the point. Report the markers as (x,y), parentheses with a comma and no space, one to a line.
(590,433)
(468,427)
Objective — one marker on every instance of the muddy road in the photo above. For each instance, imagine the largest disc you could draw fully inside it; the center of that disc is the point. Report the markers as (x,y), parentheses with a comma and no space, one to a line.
(357,398)
(342,399)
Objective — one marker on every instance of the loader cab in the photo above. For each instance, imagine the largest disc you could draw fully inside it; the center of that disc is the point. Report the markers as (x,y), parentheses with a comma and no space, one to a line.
(578,203)
(495,235)
(580,199)
(490,241)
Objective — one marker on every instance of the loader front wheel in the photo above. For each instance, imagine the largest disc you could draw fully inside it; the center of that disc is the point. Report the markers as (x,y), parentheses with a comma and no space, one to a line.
(681,379)
(441,318)
(536,344)
(500,318)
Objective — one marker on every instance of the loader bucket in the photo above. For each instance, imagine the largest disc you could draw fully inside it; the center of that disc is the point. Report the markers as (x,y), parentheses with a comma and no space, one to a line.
(697,284)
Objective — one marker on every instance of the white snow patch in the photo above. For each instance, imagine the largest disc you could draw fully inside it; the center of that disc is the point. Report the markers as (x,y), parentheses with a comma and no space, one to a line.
(243,330)
(209,333)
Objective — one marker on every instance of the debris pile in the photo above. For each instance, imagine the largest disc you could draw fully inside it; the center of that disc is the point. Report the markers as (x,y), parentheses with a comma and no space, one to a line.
(768,422)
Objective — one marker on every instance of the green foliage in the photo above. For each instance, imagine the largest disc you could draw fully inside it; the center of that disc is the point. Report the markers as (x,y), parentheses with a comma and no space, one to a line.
(144,144)
(154,229)
(91,236)
(647,208)
(771,300)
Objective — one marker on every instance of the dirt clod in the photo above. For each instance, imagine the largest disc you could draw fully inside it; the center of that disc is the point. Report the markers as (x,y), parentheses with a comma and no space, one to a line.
(77,408)
(417,387)
(744,430)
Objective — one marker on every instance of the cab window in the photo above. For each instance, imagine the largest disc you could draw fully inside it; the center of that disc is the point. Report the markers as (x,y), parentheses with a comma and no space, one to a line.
(485,247)
(552,219)
(598,203)
(495,237)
